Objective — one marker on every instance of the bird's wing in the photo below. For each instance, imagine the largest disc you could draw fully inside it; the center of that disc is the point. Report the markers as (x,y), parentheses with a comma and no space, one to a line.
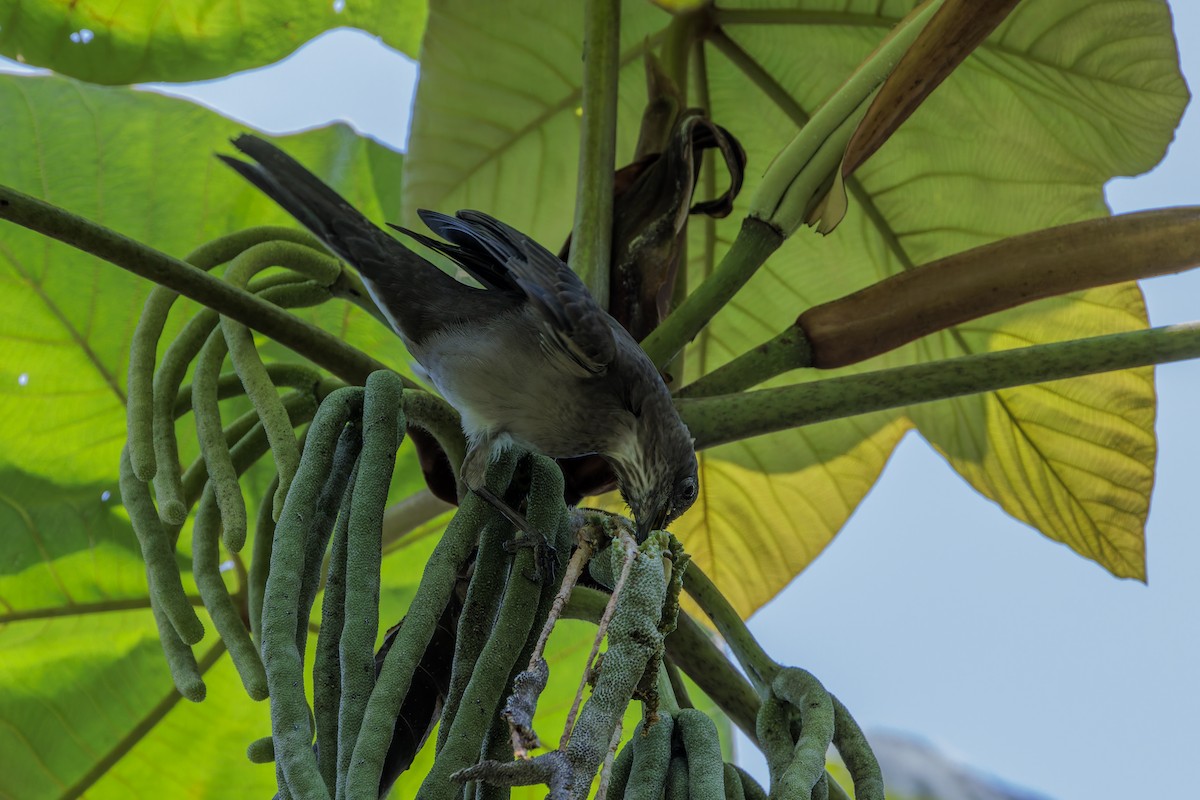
(501,257)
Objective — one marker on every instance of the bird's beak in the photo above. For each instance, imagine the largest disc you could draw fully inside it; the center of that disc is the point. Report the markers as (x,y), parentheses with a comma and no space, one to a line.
(652,519)
(645,525)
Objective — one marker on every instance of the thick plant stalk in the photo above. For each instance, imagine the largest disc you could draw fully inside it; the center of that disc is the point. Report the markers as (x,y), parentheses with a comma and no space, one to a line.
(591,243)
(787,193)
(323,349)
(719,420)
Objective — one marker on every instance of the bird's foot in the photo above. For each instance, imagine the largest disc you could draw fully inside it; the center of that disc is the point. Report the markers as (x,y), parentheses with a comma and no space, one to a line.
(544,554)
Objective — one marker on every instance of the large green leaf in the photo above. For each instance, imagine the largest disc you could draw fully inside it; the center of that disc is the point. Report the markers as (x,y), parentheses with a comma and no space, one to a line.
(132,42)
(143,165)
(1063,96)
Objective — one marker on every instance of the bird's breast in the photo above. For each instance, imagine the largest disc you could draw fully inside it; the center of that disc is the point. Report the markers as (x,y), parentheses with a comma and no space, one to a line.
(501,382)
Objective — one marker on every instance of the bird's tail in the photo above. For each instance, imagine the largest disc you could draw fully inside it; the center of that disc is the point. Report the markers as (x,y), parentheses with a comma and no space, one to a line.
(416,296)
(344,230)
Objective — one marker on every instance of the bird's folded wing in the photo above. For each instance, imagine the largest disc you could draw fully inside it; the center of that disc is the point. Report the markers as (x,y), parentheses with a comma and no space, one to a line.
(574,327)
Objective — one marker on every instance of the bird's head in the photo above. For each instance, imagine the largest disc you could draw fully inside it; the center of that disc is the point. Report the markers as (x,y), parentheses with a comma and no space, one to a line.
(656,471)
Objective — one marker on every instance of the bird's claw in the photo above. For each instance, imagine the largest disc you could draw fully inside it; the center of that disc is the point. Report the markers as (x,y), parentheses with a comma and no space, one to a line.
(545,556)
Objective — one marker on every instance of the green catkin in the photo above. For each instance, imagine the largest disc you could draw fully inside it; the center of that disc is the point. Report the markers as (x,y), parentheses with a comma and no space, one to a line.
(651,760)
(821,790)
(484,694)
(163,573)
(774,737)
(433,592)
(733,783)
(282,792)
(547,514)
(634,639)
(618,779)
(142,352)
(226,248)
(327,665)
(323,271)
(677,782)
(206,569)
(497,747)
(807,696)
(289,709)
(261,751)
(248,443)
(856,754)
(167,382)
(702,743)
(185,672)
(296,376)
(265,397)
(382,431)
(168,486)
(315,264)
(750,786)
(206,412)
(320,528)
(139,403)
(478,614)
(260,562)
(437,418)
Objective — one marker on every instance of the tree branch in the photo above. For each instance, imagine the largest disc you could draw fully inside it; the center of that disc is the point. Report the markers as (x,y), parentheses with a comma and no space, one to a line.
(320,347)
(727,418)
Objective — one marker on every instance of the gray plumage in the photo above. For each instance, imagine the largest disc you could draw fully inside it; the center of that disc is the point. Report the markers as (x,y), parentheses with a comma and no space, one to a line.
(529,359)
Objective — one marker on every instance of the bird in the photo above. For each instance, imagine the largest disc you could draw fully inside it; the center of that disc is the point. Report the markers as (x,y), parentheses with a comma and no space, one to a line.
(528,358)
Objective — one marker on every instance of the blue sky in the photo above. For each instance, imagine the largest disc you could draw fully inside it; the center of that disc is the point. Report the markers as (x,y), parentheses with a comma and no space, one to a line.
(933,612)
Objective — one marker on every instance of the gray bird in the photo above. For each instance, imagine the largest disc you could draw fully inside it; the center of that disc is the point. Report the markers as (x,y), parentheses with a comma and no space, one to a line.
(529,359)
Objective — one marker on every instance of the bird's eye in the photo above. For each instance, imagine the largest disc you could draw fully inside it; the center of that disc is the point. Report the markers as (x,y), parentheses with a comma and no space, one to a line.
(687,490)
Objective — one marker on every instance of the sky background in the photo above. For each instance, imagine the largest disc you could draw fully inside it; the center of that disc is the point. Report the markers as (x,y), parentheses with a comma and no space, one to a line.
(933,612)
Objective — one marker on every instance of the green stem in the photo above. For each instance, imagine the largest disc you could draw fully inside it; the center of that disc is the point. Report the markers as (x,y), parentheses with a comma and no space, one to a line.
(755,241)
(322,348)
(691,648)
(591,241)
(754,660)
(783,353)
(676,49)
(785,193)
(718,420)
(670,689)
